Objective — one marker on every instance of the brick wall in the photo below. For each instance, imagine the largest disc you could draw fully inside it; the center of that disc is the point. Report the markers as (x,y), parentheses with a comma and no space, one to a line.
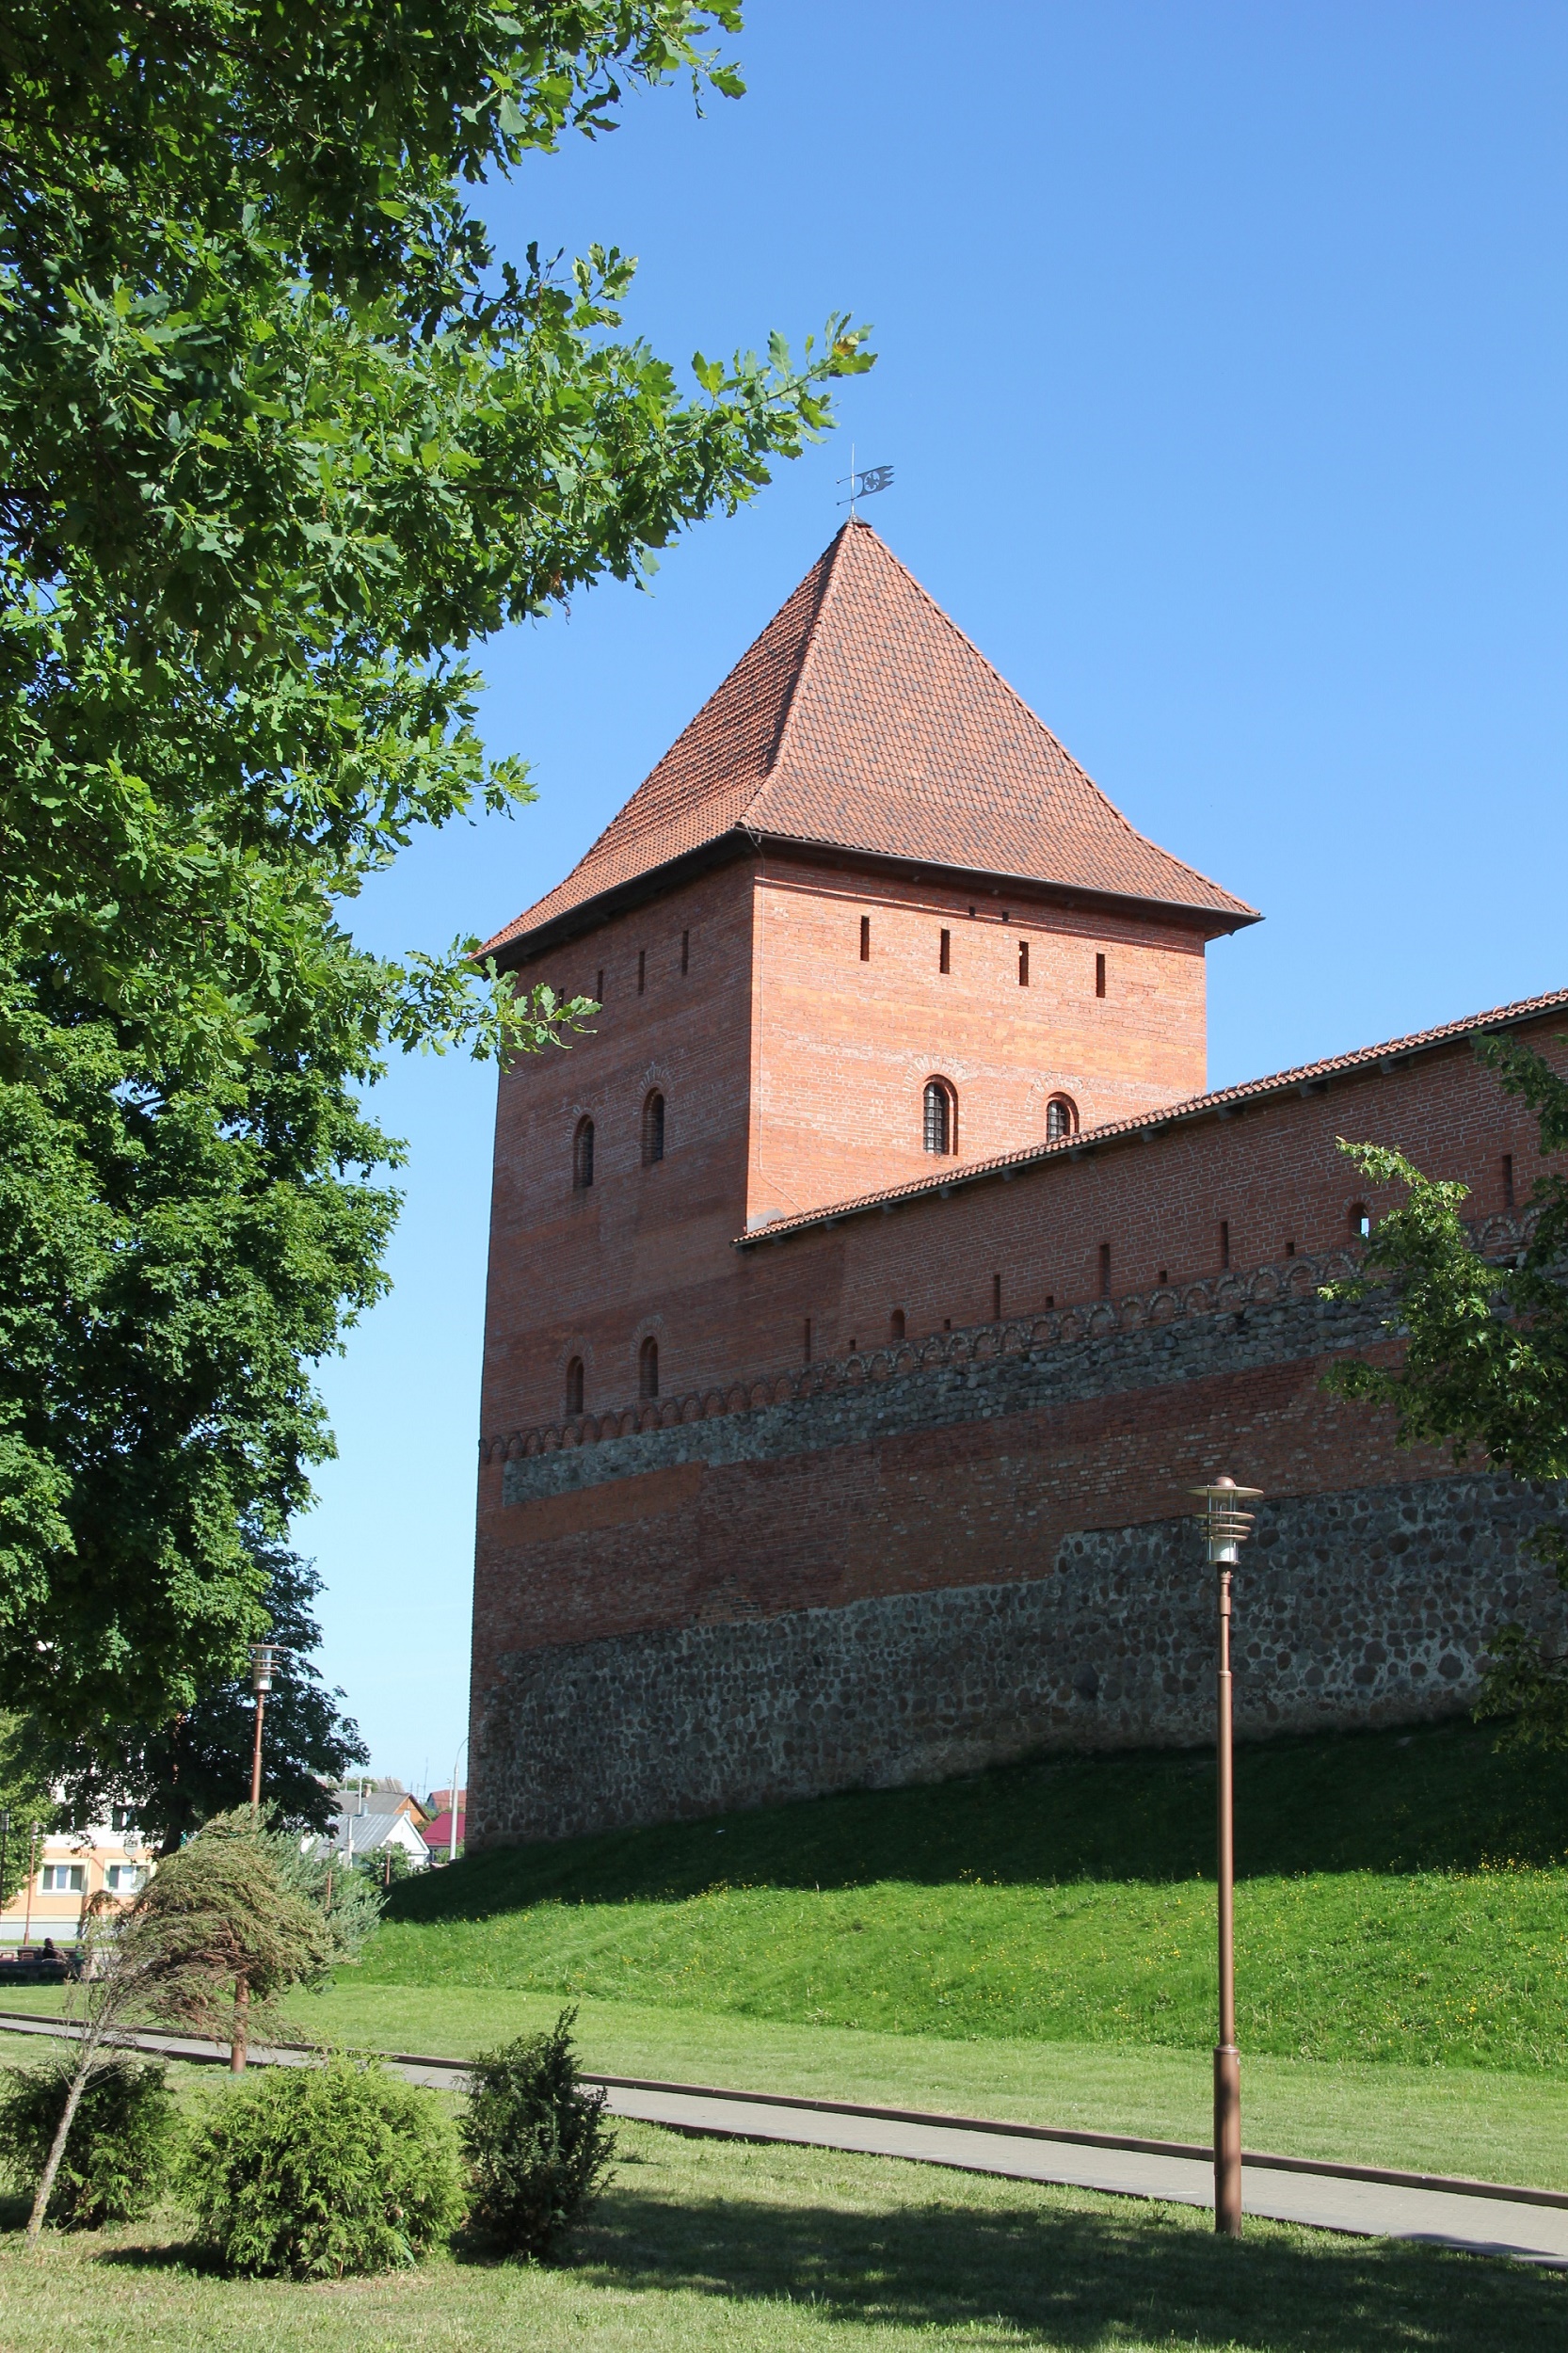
(844,1045)
(946,1395)
(1362,1608)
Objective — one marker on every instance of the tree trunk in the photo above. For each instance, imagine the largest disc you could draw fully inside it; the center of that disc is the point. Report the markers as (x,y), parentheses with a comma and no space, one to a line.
(62,2132)
(239,2041)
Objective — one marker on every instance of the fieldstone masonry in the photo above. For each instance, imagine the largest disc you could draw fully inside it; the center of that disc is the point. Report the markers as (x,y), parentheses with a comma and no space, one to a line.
(1350,1610)
(1354,1605)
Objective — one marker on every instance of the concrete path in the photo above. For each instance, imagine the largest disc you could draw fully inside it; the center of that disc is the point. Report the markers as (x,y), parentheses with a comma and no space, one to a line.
(1482,2218)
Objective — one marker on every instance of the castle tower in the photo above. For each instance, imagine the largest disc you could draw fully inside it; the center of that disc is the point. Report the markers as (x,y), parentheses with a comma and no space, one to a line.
(869,1288)
(866,910)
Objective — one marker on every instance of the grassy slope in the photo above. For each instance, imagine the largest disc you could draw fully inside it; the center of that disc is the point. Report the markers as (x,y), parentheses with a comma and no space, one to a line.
(1403,1900)
(708,2244)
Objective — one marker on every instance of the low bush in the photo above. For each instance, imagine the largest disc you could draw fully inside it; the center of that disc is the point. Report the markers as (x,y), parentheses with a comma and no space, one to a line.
(119,2153)
(312,2172)
(537,2145)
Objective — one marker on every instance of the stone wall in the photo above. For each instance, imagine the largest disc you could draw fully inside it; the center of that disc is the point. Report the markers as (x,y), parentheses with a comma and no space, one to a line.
(1365,1607)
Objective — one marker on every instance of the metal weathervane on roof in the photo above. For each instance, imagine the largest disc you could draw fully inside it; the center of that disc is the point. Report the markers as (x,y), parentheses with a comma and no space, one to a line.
(864,484)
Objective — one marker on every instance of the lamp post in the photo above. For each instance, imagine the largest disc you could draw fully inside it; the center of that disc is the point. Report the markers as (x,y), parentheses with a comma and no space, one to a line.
(1226,1527)
(451,1836)
(264,1660)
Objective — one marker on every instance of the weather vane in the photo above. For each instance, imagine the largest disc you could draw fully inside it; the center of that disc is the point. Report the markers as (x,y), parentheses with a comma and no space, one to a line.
(864,484)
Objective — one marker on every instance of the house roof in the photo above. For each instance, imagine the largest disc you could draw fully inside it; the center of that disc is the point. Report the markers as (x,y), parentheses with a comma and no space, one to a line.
(863,720)
(372,1827)
(1305,1079)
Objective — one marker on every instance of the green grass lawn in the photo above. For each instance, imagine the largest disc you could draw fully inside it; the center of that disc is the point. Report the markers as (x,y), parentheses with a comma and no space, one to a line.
(708,2244)
(1403,1899)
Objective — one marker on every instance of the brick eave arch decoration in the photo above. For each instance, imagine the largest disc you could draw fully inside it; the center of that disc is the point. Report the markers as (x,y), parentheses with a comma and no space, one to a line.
(1061,1119)
(940,1115)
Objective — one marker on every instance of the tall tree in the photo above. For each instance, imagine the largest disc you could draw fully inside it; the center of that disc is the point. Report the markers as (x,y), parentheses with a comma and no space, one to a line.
(282,443)
(1484,1361)
(171,1778)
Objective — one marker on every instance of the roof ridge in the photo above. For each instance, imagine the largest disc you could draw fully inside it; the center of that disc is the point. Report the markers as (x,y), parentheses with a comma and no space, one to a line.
(829,562)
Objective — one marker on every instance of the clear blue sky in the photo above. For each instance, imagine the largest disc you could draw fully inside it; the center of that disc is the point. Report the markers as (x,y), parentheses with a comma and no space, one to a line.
(1223,369)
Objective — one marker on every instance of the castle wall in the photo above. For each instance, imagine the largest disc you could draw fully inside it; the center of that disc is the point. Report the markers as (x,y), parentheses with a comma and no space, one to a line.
(967,1543)
(1362,1608)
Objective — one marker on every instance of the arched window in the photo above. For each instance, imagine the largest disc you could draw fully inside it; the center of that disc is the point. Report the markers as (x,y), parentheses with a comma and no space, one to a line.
(941,1116)
(1361,1222)
(574,1386)
(1061,1119)
(647,1368)
(583,1155)
(895,1324)
(653,1129)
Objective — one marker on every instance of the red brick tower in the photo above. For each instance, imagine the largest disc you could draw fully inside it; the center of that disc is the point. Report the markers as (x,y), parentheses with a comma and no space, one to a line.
(865,910)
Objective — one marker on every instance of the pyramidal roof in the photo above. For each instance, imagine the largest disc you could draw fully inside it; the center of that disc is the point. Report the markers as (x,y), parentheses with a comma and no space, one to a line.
(863,720)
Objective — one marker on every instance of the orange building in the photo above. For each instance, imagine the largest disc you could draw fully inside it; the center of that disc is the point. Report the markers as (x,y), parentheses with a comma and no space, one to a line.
(879,1254)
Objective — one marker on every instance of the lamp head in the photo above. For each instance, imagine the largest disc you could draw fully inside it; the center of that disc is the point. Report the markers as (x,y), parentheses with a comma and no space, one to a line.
(263,1661)
(1226,1526)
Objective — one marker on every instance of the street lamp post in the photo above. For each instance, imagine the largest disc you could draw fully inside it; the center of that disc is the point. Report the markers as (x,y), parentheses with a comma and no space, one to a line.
(1226,1527)
(263,1658)
(263,1661)
(451,1826)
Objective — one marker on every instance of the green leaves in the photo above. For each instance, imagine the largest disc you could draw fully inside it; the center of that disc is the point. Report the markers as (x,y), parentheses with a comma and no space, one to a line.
(1486,1356)
(1484,1360)
(284,442)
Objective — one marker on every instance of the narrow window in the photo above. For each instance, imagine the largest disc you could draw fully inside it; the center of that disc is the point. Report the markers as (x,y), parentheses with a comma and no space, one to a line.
(686,952)
(805,1342)
(1224,1241)
(1105,1269)
(944,954)
(865,939)
(1289,1249)
(941,1117)
(996,1299)
(653,1129)
(1361,1222)
(1051,1299)
(642,971)
(1061,1119)
(574,1386)
(854,1344)
(1508,1180)
(647,1368)
(947,1323)
(1162,1276)
(1099,976)
(895,1324)
(598,991)
(583,1155)
(1023,964)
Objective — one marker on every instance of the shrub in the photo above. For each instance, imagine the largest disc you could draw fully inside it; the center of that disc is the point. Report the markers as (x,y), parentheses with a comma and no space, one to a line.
(119,2153)
(311,2172)
(537,2145)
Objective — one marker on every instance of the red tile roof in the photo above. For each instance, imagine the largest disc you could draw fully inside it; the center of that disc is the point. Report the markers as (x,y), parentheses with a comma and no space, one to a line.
(1307,1078)
(862,719)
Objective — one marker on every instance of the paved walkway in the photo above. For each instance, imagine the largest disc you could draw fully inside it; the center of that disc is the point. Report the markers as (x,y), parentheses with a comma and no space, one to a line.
(1483,2217)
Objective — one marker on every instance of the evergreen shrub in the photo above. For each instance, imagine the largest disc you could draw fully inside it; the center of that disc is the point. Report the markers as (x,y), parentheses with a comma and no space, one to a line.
(119,2154)
(313,2172)
(537,2148)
